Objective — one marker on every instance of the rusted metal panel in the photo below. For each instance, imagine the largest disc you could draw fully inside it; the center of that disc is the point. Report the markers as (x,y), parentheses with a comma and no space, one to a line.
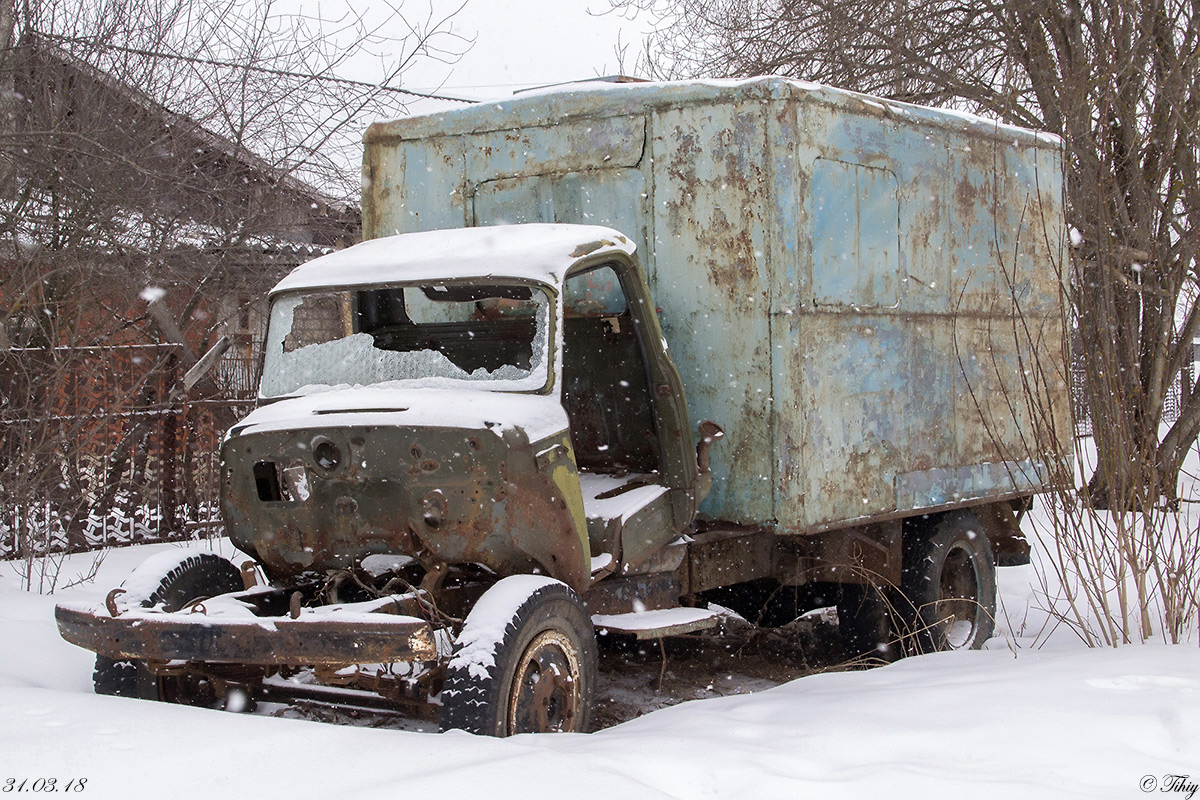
(837,276)
(448,495)
(855,235)
(415,188)
(611,196)
(546,517)
(725,557)
(608,142)
(711,277)
(866,554)
(622,593)
(927,378)
(428,182)
(854,378)
(935,488)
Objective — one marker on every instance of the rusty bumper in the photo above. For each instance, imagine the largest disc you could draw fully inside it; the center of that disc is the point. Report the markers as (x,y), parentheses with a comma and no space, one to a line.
(308,641)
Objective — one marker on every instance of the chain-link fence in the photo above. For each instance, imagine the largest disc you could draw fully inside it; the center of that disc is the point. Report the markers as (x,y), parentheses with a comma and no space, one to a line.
(1172,404)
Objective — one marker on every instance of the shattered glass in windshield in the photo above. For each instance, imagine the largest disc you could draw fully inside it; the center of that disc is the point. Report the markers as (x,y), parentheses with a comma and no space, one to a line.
(431,335)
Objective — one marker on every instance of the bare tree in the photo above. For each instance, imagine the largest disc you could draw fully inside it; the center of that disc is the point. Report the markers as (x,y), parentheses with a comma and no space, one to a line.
(263,88)
(155,144)
(1119,80)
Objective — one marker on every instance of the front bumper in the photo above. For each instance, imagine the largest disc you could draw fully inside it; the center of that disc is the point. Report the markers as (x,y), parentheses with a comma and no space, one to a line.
(313,639)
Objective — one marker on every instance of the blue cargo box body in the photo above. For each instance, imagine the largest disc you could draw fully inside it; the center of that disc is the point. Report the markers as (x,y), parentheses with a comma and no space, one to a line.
(859,291)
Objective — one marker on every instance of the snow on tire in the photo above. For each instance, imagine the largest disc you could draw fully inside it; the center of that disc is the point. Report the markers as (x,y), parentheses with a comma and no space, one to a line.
(171,580)
(174,578)
(524,662)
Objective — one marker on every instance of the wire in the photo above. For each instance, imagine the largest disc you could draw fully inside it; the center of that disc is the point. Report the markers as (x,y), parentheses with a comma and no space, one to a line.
(251,68)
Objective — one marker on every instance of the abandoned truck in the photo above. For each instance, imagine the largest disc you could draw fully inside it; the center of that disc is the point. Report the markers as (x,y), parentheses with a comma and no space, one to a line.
(474,447)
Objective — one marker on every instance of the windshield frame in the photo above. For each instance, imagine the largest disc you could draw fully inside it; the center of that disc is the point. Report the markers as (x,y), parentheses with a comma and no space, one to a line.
(547,369)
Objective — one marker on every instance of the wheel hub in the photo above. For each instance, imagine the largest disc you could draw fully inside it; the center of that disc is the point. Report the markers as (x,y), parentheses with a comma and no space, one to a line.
(958,605)
(546,690)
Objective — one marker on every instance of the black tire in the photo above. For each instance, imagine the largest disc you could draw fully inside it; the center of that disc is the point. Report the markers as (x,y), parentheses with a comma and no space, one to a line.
(198,576)
(949,586)
(121,678)
(180,581)
(541,675)
(865,624)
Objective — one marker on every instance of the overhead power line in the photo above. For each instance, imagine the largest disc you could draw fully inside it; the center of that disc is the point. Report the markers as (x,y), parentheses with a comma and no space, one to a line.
(253,68)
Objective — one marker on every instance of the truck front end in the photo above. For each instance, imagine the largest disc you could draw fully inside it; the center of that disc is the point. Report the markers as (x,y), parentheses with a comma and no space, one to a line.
(397,419)
(410,450)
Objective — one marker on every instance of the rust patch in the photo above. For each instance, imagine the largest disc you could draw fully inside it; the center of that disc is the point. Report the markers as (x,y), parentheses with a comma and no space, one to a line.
(543,528)
(589,248)
(863,554)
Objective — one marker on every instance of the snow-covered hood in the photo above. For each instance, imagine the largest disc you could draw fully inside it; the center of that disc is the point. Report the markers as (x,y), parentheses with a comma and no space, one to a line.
(538,415)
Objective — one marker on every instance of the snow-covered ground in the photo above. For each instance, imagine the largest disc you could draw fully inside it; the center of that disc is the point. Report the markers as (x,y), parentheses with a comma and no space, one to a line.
(1010,721)
(1035,715)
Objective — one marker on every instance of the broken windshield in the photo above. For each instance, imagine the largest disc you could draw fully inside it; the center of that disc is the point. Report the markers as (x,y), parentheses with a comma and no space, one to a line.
(429,335)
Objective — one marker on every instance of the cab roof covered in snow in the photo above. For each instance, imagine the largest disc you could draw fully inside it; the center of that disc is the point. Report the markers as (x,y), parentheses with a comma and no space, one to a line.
(523,252)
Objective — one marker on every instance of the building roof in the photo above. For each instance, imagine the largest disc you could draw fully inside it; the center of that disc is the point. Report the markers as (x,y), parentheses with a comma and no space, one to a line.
(176,166)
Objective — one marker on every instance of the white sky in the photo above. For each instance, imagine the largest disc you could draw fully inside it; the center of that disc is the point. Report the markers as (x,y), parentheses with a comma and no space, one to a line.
(517,44)
(525,43)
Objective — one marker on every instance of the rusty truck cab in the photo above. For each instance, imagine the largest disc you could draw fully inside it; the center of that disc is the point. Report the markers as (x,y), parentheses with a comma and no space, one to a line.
(503,398)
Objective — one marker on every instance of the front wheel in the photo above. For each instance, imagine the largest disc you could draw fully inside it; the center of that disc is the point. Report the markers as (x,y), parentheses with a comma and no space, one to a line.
(524,662)
(949,584)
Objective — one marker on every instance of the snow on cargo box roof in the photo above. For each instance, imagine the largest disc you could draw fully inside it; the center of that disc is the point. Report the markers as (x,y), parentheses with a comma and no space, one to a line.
(552,105)
(540,252)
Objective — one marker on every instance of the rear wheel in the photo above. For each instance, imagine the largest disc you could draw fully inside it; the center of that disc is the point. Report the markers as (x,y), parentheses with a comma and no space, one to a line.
(525,662)
(171,580)
(949,586)
(865,622)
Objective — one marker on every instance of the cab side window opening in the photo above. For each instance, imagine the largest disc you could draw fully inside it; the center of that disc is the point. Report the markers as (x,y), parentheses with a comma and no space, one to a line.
(605,389)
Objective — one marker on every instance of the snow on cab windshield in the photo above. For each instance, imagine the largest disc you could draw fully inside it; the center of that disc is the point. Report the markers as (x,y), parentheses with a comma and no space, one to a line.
(428,335)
